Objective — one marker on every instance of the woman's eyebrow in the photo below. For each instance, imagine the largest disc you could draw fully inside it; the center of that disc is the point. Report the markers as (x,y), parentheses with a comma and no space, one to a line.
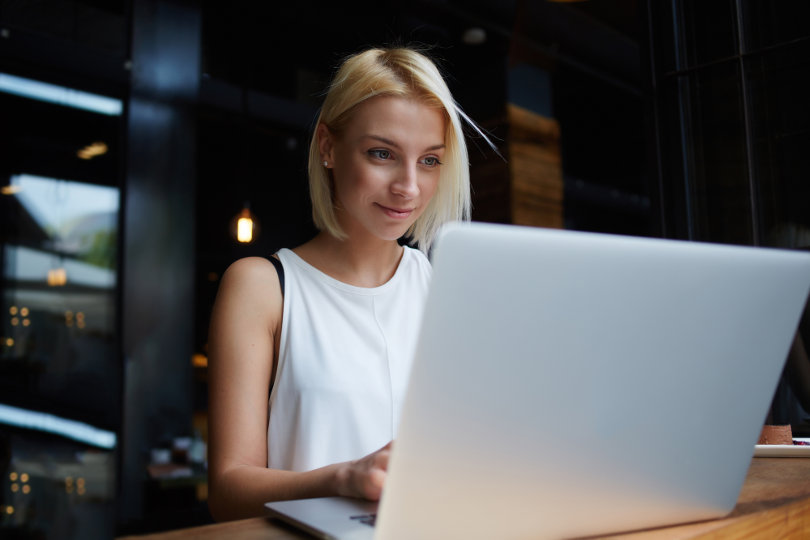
(383,140)
(395,145)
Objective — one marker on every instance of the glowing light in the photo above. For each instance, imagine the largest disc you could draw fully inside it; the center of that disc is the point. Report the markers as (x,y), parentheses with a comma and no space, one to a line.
(244,226)
(9,342)
(24,478)
(13,477)
(10,190)
(12,310)
(60,95)
(15,321)
(92,150)
(9,510)
(57,277)
(199,360)
(26,489)
(244,230)
(24,312)
(26,322)
(15,488)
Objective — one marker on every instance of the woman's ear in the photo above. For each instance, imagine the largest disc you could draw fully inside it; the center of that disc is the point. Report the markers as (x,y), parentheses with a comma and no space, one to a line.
(326,144)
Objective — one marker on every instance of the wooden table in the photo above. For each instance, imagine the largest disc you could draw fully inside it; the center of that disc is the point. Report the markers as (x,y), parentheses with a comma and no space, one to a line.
(774,503)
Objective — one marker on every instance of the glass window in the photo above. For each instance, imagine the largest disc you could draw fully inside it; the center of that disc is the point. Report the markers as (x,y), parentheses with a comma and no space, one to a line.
(705,32)
(662,41)
(60,374)
(771,23)
(673,157)
(717,177)
(691,33)
(59,299)
(779,83)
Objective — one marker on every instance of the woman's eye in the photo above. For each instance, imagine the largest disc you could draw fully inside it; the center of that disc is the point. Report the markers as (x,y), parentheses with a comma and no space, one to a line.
(380,154)
(431,161)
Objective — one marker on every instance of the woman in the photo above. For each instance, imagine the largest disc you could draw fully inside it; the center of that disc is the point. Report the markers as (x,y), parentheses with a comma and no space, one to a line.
(332,331)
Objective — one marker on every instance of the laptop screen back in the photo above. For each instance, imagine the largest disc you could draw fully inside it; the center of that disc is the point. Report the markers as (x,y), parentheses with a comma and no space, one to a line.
(570,384)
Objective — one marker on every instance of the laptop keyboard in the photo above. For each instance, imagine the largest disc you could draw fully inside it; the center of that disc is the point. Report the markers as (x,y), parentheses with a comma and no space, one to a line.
(367,519)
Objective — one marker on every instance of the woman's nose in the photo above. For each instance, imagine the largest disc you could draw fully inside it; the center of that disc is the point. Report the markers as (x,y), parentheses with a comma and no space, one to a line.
(406,183)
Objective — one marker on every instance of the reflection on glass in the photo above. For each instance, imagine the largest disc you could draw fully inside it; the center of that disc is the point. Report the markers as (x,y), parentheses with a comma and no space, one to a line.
(51,93)
(53,488)
(59,375)
(714,146)
(76,225)
(50,423)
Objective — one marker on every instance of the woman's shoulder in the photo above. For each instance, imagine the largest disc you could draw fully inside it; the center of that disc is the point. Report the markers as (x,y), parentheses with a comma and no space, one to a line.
(249,267)
(251,276)
(249,299)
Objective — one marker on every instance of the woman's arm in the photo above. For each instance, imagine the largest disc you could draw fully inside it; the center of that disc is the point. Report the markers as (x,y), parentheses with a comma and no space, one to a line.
(242,343)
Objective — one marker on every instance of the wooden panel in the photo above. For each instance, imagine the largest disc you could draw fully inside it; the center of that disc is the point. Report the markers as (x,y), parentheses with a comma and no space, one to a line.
(527,187)
(489,174)
(491,195)
(535,169)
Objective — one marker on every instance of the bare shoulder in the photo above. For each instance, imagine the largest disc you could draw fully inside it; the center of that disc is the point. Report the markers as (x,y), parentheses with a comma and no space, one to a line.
(254,273)
(250,266)
(253,283)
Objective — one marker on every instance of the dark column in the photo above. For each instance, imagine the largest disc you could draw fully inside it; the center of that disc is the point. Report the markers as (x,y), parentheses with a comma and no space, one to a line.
(158,268)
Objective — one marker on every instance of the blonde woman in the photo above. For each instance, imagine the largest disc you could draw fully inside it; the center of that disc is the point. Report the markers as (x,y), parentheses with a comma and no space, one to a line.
(310,349)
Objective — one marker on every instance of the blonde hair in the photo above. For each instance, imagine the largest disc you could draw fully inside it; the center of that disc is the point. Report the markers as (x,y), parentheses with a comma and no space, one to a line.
(402,72)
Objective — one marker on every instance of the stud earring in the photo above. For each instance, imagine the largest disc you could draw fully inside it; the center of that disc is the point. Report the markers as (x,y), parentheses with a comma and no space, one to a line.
(326,164)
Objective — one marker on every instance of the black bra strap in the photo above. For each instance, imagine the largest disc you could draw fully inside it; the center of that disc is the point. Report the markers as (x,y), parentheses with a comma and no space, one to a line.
(280,271)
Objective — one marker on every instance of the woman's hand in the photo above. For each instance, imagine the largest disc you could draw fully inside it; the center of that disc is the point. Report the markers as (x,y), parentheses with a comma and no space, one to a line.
(365,477)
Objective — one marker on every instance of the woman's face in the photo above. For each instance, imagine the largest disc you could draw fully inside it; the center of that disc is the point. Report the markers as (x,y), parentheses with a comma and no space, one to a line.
(385,165)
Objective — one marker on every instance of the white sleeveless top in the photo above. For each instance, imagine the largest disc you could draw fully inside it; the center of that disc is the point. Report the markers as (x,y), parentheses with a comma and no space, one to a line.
(344,359)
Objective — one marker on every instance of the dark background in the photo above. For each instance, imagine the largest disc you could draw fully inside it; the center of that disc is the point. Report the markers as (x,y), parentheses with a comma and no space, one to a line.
(680,119)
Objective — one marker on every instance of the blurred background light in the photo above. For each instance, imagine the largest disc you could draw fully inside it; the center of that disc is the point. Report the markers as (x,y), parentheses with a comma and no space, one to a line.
(50,423)
(60,95)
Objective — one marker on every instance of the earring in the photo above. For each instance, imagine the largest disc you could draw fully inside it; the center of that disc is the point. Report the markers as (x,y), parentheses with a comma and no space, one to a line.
(326,164)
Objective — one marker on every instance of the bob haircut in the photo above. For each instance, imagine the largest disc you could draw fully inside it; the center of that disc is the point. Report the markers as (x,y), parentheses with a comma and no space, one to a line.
(402,72)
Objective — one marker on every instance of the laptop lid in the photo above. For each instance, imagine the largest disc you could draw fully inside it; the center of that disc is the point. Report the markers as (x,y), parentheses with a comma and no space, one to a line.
(573,384)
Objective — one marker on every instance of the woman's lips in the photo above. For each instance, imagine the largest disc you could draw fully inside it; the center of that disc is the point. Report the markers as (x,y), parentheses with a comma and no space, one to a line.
(396,213)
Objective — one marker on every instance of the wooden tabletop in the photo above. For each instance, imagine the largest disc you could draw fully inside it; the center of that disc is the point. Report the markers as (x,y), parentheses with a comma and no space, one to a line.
(774,503)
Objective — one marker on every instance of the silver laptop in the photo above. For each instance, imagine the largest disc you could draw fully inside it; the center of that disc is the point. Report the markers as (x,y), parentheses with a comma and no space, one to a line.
(570,384)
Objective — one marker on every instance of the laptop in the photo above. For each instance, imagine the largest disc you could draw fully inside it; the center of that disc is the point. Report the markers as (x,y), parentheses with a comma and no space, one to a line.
(570,384)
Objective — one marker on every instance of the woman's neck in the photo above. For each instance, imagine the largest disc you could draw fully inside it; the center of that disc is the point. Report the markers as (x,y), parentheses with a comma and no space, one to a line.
(369,263)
